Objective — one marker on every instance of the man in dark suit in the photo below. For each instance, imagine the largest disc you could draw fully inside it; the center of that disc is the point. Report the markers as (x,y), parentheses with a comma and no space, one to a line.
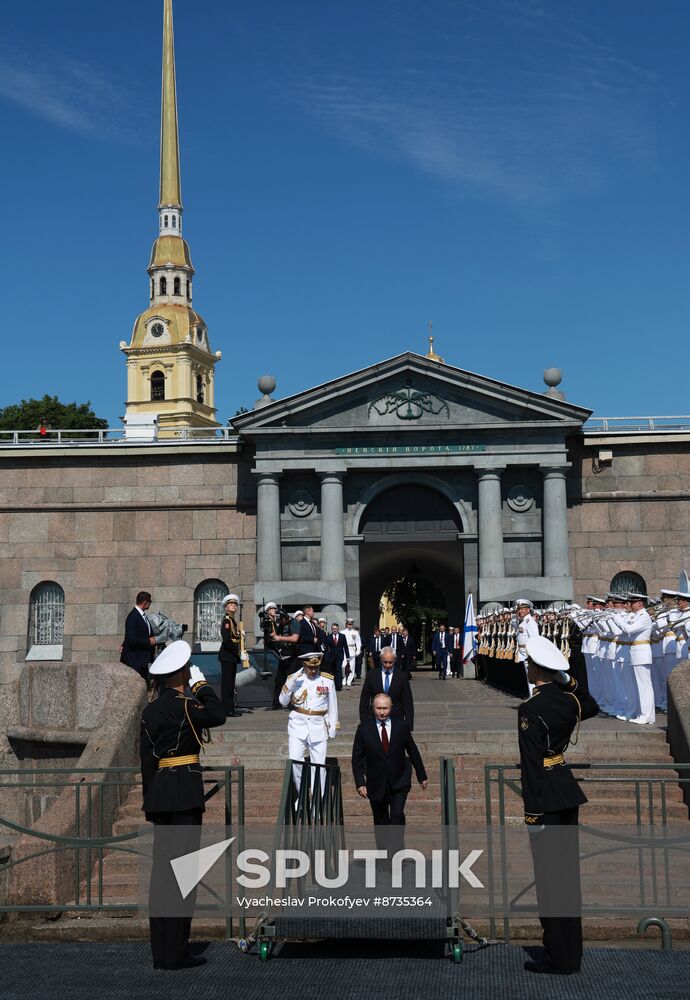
(374,648)
(440,647)
(383,755)
(455,636)
(139,642)
(335,654)
(393,640)
(407,655)
(309,641)
(388,679)
(172,729)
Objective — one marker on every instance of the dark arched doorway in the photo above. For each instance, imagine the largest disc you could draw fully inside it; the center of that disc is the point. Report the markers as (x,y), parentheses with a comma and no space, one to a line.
(410,525)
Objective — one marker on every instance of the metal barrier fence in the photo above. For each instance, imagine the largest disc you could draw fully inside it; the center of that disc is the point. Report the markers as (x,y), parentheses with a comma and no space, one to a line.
(651,837)
(79,853)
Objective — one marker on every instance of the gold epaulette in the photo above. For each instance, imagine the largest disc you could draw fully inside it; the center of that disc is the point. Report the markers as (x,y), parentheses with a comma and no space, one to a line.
(329,677)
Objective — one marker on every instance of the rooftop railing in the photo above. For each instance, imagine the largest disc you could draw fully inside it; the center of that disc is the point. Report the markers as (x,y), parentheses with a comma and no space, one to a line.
(114,436)
(636,425)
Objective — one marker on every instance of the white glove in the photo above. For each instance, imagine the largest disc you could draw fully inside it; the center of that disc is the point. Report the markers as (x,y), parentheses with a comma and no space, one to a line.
(195,675)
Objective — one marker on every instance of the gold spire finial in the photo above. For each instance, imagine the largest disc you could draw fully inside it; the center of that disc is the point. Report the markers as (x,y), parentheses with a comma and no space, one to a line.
(431,353)
(170,190)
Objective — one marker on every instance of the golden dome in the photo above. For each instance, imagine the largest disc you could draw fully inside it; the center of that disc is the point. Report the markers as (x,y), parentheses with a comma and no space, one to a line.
(431,353)
(182,324)
(171,250)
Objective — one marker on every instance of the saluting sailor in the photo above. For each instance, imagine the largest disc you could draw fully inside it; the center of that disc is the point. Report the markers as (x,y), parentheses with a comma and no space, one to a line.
(313,718)
(551,798)
(527,629)
(172,732)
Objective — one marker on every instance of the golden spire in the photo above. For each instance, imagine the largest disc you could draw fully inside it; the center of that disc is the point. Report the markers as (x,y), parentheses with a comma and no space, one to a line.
(431,353)
(170,192)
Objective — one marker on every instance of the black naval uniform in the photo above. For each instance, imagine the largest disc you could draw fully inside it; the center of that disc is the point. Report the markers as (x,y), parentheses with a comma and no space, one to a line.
(229,656)
(551,798)
(171,730)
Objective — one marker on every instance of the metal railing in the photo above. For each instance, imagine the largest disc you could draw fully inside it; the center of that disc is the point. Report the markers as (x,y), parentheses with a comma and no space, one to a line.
(80,855)
(311,818)
(115,436)
(647,839)
(626,425)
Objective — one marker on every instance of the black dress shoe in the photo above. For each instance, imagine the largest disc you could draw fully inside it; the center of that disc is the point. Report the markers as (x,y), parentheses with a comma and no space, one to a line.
(546,969)
(190,962)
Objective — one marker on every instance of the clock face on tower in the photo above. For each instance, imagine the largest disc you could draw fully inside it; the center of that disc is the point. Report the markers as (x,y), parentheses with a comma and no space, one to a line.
(157,330)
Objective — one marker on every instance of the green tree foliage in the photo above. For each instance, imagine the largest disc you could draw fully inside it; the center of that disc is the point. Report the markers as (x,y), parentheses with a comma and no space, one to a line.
(414,599)
(49,411)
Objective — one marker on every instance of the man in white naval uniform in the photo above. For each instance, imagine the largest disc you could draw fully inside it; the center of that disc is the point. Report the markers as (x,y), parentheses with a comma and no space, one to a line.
(681,626)
(636,629)
(665,621)
(527,629)
(313,718)
(354,648)
(590,646)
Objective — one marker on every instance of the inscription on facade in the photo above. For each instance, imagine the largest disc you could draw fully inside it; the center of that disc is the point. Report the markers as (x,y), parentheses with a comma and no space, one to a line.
(411,449)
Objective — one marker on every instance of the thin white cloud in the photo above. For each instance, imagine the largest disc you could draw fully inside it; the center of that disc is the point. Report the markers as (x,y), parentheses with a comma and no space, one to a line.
(516,99)
(70,94)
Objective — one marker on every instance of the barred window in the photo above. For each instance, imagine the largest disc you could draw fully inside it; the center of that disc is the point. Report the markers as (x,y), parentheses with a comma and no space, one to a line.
(209,612)
(628,582)
(47,626)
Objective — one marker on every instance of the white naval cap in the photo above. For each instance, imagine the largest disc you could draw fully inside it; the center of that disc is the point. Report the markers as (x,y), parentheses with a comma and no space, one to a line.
(271,604)
(522,602)
(349,621)
(546,655)
(230,597)
(300,612)
(638,597)
(683,594)
(173,658)
(311,659)
(670,593)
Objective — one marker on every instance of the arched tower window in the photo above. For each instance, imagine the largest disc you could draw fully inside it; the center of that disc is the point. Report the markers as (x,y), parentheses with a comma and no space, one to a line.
(153,288)
(174,221)
(158,386)
(208,611)
(628,582)
(189,290)
(199,389)
(47,615)
(177,287)
(165,221)
(163,286)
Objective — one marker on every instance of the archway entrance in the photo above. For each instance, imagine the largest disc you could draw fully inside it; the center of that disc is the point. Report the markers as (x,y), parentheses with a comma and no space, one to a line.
(410,528)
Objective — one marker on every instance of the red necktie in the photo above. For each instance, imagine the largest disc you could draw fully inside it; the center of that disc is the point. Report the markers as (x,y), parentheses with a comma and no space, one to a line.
(384,738)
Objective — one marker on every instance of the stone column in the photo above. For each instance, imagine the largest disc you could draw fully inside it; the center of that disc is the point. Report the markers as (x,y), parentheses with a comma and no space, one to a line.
(555,528)
(268,557)
(490,527)
(332,531)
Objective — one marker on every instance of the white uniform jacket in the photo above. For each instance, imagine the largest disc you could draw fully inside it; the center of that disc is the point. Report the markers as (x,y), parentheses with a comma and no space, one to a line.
(314,706)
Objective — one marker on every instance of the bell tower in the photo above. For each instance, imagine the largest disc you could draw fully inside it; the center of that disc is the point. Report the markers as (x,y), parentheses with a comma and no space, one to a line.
(170,365)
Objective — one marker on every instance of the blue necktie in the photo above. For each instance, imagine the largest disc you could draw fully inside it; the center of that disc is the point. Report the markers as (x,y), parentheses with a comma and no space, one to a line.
(387,682)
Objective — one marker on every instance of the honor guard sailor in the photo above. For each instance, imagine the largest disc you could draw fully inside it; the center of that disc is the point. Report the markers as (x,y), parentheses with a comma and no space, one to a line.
(527,629)
(313,717)
(230,652)
(551,798)
(172,733)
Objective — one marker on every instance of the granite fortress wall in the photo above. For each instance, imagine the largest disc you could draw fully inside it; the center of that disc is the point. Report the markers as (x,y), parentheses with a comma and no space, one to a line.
(631,514)
(104,525)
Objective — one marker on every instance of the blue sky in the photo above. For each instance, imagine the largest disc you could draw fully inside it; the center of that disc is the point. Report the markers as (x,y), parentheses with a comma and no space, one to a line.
(516,171)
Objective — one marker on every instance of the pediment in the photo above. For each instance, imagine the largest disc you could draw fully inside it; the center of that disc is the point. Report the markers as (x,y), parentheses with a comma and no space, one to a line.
(411,392)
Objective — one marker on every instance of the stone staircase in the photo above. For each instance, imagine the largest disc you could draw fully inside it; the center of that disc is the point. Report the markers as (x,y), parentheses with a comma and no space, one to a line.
(474,735)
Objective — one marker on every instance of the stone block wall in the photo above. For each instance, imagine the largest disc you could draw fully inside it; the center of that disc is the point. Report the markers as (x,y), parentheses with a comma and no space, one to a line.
(104,526)
(632,515)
